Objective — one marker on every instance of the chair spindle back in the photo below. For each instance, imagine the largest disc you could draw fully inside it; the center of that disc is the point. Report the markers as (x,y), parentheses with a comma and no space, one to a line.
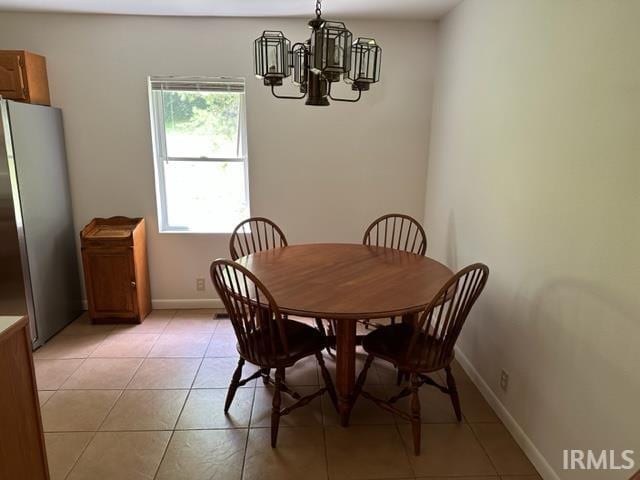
(398,231)
(255,234)
(440,324)
(255,316)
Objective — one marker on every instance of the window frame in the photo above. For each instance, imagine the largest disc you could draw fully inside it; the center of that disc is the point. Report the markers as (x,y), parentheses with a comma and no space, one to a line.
(159,144)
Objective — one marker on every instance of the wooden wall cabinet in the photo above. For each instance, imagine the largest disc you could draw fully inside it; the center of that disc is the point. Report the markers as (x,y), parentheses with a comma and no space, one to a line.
(116,273)
(23,77)
(22,449)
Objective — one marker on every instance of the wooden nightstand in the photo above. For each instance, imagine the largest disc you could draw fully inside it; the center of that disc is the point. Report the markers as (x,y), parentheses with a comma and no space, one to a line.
(114,257)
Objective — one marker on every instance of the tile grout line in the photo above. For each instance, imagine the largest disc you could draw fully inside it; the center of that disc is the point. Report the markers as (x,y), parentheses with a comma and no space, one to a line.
(154,344)
(406,448)
(324,441)
(217,320)
(81,453)
(173,431)
(473,432)
(164,451)
(99,345)
(246,443)
(173,317)
(249,426)
(65,380)
(84,359)
(191,388)
(176,429)
(110,409)
(95,433)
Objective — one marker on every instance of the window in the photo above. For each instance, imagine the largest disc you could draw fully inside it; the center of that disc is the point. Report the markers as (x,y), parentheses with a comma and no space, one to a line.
(199,146)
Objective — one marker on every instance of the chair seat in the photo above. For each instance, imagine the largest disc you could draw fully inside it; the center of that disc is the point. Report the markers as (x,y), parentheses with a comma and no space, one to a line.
(303,340)
(391,343)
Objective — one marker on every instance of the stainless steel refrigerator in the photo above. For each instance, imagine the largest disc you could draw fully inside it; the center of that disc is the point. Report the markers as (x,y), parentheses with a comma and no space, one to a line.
(39,273)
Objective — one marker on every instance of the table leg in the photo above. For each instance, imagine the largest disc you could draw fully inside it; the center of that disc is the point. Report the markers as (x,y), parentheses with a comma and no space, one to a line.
(409,318)
(345,367)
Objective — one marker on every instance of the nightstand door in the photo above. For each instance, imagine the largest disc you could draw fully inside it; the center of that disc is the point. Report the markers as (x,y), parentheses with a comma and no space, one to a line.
(110,282)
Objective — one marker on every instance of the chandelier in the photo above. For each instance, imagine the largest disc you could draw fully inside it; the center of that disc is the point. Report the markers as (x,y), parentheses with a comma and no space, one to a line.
(328,56)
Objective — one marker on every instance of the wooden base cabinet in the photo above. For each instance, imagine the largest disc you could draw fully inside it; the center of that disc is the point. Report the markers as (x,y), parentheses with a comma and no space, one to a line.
(114,257)
(23,77)
(22,449)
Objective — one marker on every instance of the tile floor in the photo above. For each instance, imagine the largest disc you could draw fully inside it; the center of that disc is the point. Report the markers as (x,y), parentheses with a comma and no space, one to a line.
(146,402)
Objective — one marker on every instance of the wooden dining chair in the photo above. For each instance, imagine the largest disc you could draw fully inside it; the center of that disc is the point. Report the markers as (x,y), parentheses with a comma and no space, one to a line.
(426,346)
(397,231)
(253,235)
(266,339)
(257,234)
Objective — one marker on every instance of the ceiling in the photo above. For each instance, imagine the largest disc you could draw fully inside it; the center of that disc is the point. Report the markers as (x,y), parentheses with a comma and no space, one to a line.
(398,9)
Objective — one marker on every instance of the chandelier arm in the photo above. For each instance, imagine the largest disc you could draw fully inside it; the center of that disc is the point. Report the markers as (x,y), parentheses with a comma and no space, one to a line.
(335,99)
(286,97)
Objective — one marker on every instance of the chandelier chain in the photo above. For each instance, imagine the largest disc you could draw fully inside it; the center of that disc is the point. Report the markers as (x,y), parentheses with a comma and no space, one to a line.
(318,8)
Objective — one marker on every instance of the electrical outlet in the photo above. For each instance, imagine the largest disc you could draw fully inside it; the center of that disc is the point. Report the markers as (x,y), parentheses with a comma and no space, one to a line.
(504,380)
(200,284)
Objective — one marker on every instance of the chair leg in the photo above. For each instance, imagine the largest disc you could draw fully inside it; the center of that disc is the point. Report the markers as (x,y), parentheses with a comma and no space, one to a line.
(415,413)
(321,329)
(265,375)
(320,326)
(275,410)
(362,378)
(453,392)
(401,376)
(331,329)
(235,382)
(327,380)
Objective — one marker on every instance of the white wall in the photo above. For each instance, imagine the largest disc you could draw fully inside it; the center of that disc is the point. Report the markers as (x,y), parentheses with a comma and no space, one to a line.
(322,174)
(534,168)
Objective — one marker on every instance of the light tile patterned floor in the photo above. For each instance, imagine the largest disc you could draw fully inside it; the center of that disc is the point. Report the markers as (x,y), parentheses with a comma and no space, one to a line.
(146,401)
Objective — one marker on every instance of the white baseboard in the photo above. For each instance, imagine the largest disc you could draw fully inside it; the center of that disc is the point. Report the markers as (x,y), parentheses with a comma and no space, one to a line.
(169,303)
(528,447)
(179,303)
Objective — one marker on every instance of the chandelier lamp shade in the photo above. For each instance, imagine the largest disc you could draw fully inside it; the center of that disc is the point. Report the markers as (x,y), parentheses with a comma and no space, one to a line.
(366,56)
(272,57)
(330,55)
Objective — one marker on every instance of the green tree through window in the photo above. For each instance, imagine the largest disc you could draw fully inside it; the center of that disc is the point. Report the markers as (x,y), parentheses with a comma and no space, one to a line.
(210,119)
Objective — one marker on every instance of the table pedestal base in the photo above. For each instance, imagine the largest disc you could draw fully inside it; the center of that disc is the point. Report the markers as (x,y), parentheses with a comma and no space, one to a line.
(345,367)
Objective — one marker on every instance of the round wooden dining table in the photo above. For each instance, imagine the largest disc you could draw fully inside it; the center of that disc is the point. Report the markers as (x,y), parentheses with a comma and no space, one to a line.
(346,283)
